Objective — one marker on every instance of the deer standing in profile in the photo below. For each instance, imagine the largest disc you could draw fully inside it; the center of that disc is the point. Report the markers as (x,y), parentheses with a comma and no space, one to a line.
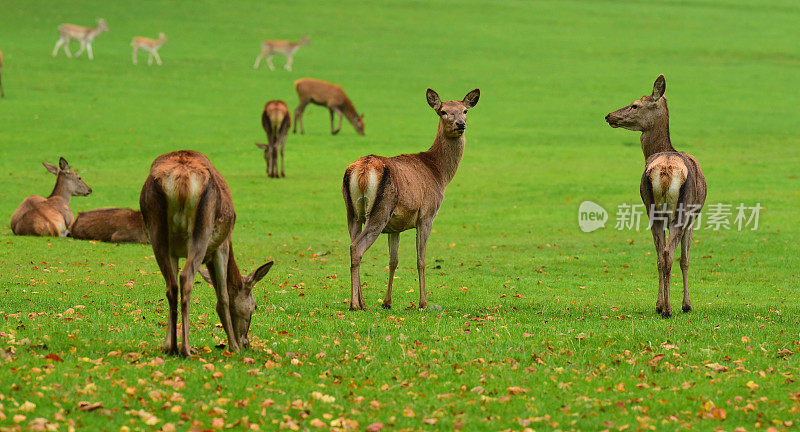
(187,210)
(112,225)
(329,95)
(84,35)
(51,216)
(673,187)
(398,193)
(149,45)
(276,121)
(286,48)
(2,93)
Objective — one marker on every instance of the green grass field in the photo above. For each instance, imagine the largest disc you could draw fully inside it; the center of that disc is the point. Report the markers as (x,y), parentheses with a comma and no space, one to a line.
(531,324)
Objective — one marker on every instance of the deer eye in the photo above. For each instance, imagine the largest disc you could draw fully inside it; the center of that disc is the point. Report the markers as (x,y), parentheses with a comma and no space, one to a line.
(634,106)
(443,112)
(465,111)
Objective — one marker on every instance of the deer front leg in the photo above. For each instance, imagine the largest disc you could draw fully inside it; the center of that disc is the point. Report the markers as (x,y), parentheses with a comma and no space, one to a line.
(220,263)
(298,116)
(133,55)
(149,58)
(423,231)
(158,58)
(81,49)
(269,62)
(394,245)
(686,244)
(89,50)
(66,49)
(288,65)
(258,60)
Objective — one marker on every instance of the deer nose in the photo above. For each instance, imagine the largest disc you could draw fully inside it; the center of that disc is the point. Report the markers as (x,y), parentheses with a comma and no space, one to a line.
(461,125)
(608,116)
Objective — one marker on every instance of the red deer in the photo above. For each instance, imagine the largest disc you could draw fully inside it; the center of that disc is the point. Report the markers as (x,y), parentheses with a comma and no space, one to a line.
(286,48)
(149,45)
(276,121)
(50,216)
(113,225)
(188,212)
(398,193)
(84,35)
(2,93)
(328,95)
(673,187)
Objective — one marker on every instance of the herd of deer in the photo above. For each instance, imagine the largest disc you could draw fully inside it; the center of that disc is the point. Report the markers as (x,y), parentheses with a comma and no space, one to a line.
(187,211)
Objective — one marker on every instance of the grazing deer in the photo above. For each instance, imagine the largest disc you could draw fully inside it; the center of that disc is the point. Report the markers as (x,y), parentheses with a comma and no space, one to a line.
(276,121)
(329,95)
(113,225)
(395,194)
(673,187)
(287,48)
(149,45)
(84,35)
(187,210)
(2,93)
(50,216)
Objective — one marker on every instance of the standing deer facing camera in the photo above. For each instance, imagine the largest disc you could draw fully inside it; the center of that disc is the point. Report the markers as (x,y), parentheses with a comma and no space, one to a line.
(398,193)
(286,48)
(187,210)
(51,216)
(276,121)
(149,45)
(84,35)
(329,95)
(673,187)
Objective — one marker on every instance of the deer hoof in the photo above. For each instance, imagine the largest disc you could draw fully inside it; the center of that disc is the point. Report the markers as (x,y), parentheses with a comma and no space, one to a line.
(687,308)
(386,305)
(187,351)
(666,314)
(659,309)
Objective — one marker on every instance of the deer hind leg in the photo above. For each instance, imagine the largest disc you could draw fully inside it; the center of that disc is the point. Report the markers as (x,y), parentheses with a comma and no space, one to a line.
(659,241)
(288,65)
(270,161)
(675,235)
(169,270)
(269,62)
(423,231)
(298,116)
(283,144)
(686,244)
(198,245)
(66,48)
(133,55)
(373,227)
(158,58)
(150,58)
(394,245)
(81,49)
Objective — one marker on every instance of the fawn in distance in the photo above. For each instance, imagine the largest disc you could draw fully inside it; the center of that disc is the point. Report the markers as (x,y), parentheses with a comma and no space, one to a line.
(395,194)
(283,47)
(84,35)
(329,95)
(149,45)
(188,212)
(672,187)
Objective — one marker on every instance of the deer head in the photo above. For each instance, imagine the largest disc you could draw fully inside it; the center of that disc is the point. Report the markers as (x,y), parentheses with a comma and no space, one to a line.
(359,123)
(101,24)
(453,114)
(162,37)
(242,303)
(305,40)
(644,113)
(68,179)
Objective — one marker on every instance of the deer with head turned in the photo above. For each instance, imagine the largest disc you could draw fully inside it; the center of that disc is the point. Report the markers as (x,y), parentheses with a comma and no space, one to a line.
(113,225)
(276,121)
(328,95)
(84,35)
(395,194)
(187,210)
(149,45)
(51,216)
(283,47)
(672,187)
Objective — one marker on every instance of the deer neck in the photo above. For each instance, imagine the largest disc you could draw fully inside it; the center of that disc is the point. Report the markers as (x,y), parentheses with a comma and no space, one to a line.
(349,111)
(61,190)
(656,139)
(447,153)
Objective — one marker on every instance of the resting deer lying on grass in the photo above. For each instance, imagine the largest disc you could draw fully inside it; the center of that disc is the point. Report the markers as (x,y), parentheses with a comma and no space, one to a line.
(286,48)
(50,216)
(84,35)
(673,187)
(188,213)
(276,121)
(149,45)
(328,95)
(113,225)
(395,194)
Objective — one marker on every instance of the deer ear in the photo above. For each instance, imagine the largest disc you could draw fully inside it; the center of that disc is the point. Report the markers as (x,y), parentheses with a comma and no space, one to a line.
(50,167)
(263,146)
(62,163)
(258,274)
(659,87)
(206,276)
(433,99)
(471,99)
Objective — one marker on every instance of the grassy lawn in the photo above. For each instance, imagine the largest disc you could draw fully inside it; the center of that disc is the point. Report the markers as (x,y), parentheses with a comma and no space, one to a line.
(531,323)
